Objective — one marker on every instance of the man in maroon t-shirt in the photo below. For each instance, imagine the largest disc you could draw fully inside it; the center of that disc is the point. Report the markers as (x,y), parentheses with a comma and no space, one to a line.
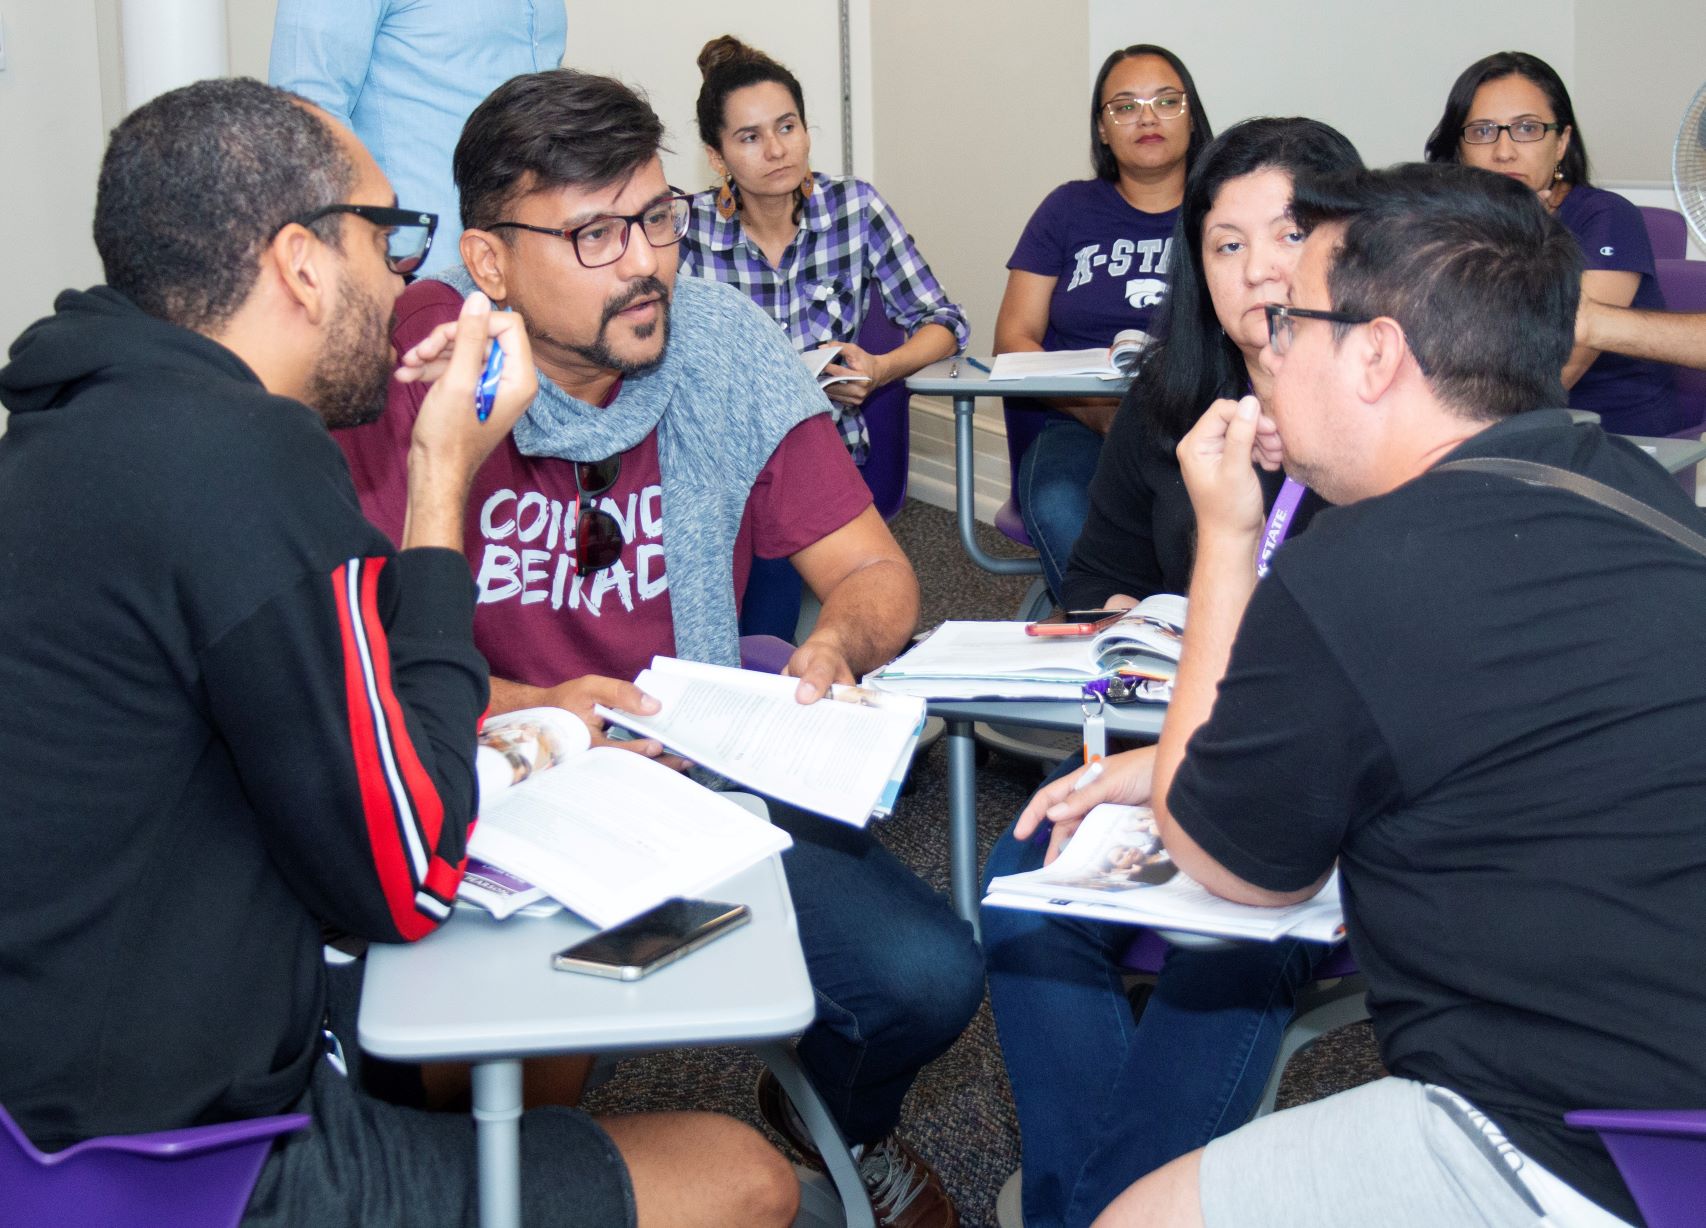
(674,414)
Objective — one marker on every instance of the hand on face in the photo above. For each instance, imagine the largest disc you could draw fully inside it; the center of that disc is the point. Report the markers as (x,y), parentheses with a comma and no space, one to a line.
(1218,459)
(451,358)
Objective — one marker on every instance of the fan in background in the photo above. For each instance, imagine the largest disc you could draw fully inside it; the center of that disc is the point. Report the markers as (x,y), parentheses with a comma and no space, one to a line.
(1688,166)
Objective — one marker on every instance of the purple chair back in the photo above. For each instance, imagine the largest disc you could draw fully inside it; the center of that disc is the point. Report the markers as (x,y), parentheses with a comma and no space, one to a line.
(888,415)
(1662,1156)
(765,653)
(195,1178)
(1025,419)
(1683,283)
(1667,231)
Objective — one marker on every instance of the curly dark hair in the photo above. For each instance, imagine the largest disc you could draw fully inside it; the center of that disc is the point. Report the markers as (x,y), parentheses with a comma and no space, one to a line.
(196,183)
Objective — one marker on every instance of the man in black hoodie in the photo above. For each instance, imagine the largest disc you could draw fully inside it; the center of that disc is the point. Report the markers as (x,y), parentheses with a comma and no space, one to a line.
(233,711)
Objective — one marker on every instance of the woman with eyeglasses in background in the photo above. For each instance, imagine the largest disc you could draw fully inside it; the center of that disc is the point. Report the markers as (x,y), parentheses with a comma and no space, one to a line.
(1104,1098)
(1509,113)
(807,247)
(1091,262)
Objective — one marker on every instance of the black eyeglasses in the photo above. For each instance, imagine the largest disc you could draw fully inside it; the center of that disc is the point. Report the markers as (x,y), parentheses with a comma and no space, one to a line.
(598,534)
(1523,131)
(1281,326)
(603,240)
(408,234)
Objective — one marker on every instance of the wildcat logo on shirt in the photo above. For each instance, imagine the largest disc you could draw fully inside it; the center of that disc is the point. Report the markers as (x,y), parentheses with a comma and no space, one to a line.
(529,552)
(1121,258)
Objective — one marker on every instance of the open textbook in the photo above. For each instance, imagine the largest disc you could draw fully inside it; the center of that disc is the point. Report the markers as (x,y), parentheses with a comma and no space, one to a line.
(816,360)
(998,660)
(1115,869)
(607,832)
(1118,361)
(844,757)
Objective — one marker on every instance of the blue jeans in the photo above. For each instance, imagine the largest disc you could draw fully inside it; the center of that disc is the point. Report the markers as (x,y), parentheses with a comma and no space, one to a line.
(1054,491)
(896,974)
(1103,1099)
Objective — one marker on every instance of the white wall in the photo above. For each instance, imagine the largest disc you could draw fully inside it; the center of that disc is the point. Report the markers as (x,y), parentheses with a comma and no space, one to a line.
(50,148)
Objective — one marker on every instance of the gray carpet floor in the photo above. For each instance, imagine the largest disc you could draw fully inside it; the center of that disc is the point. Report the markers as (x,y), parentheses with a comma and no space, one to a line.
(960,1112)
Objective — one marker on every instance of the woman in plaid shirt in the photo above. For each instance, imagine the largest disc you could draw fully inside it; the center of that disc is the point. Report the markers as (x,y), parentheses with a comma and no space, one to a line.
(807,248)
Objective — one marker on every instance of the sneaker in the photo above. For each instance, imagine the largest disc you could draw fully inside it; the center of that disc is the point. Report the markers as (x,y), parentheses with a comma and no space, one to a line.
(905,1191)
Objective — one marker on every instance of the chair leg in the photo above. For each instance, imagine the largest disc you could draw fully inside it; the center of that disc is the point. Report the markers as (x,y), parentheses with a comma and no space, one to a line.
(1321,1008)
(784,1063)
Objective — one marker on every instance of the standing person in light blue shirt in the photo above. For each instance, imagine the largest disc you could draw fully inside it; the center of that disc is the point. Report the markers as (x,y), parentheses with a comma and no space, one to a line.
(406,74)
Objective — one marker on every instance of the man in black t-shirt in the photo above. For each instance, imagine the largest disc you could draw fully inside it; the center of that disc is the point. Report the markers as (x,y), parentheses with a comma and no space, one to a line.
(1481,698)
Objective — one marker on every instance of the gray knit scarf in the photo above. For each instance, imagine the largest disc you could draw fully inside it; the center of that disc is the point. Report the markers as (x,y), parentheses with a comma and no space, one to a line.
(728,389)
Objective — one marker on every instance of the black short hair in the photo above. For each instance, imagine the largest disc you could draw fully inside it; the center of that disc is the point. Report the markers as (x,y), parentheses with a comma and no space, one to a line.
(196,183)
(1444,141)
(1193,361)
(1483,280)
(727,65)
(1101,157)
(554,129)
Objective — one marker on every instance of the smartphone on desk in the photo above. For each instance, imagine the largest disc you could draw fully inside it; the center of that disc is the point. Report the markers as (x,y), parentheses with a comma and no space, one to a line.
(1075,622)
(645,943)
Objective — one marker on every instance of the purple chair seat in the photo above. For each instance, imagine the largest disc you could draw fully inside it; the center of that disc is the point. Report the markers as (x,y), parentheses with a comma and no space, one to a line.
(888,415)
(195,1178)
(1662,1156)
(1011,524)
(1667,231)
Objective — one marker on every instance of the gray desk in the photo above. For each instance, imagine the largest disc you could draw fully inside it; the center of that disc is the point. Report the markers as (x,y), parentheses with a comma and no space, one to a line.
(933,381)
(1674,454)
(507,1003)
(1135,722)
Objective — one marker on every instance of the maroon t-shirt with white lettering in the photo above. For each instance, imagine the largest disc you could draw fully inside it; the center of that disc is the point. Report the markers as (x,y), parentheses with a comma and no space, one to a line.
(536,621)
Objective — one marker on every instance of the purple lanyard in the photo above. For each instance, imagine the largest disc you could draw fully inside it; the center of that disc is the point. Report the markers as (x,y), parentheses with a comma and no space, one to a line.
(1279,523)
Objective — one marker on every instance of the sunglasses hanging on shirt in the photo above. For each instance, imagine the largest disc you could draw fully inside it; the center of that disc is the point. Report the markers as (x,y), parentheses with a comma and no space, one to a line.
(598,534)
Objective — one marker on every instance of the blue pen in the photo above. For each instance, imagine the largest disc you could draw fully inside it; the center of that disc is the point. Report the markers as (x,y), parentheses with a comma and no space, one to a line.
(486,391)
(974,362)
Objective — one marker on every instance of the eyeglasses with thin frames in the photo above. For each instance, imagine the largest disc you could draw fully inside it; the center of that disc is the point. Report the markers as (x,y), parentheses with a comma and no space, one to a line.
(604,240)
(408,233)
(598,534)
(1169,104)
(1523,132)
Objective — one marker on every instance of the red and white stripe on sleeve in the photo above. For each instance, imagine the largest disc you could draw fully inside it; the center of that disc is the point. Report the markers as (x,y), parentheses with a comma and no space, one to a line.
(400,802)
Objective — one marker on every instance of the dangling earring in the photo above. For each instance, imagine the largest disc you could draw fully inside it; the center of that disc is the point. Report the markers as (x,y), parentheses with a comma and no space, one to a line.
(808,185)
(1558,173)
(727,206)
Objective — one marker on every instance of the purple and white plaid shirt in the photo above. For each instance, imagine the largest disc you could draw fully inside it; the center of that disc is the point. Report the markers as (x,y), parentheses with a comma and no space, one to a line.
(849,239)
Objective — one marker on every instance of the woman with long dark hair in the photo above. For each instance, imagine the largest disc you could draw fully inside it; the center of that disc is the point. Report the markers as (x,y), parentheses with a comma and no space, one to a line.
(1093,261)
(1509,113)
(1104,1098)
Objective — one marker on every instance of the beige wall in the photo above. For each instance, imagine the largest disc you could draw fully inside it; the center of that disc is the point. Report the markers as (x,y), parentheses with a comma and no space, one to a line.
(1637,67)
(979,109)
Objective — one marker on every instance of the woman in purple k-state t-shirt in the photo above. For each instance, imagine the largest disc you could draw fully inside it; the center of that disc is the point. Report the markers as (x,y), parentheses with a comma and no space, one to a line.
(1093,261)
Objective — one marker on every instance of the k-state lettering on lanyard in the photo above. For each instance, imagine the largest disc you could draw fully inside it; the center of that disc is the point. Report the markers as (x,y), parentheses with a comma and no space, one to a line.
(1279,523)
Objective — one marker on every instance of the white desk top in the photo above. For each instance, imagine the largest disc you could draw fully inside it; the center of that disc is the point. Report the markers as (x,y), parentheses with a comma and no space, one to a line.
(934,381)
(480,989)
